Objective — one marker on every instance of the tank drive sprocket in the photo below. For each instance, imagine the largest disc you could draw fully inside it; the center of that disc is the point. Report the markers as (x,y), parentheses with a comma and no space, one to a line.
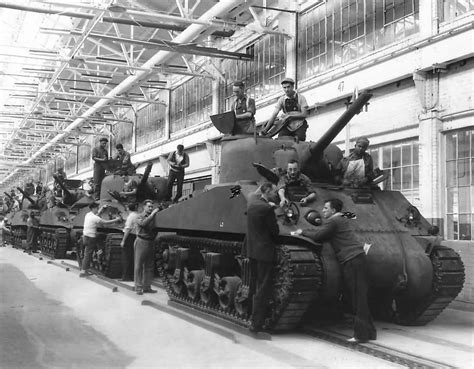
(297,279)
(448,281)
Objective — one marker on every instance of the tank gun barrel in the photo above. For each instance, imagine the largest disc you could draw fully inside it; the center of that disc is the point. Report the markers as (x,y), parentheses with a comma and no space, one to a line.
(26,196)
(9,196)
(318,148)
(68,197)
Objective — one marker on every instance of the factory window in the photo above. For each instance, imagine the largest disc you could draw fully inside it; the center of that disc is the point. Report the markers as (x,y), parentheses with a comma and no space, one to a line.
(151,122)
(335,32)
(460,184)
(401,159)
(451,9)
(262,76)
(84,154)
(191,104)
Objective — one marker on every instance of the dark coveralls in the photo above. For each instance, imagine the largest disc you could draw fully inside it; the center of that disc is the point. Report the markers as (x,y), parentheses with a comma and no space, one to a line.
(176,174)
(244,126)
(291,104)
(262,230)
(126,166)
(99,169)
(32,224)
(351,256)
(144,252)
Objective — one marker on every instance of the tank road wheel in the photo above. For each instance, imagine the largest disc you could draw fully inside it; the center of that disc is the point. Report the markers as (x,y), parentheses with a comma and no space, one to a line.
(298,279)
(226,290)
(448,280)
(192,281)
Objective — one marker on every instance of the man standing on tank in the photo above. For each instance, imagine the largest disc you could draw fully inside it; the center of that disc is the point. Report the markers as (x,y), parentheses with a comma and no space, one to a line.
(92,221)
(244,108)
(295,108)
(99,155)
(126,166)
(262,231)
(351,255)
(178,160)
(128,241)
(144,249)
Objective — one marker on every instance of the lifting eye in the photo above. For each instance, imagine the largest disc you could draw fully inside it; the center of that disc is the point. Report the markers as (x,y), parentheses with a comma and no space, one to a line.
(313,217)
(292,213)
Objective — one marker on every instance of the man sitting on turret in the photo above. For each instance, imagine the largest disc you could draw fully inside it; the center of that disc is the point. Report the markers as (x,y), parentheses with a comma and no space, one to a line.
(244,108)
(295,108)
(292,182)
(126,166)
(129,189)
(357,169)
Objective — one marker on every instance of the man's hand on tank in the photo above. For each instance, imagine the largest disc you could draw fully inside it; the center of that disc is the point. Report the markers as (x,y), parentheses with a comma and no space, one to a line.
(298,232)
(272,204)
(283,202)
(304,201)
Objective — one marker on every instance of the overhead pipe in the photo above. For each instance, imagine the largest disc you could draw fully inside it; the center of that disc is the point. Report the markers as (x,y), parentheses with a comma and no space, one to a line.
(188,35)
(130,22)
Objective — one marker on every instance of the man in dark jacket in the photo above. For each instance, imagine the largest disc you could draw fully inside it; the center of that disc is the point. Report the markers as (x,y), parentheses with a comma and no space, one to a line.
(350,254)
(100,155)
(262,231)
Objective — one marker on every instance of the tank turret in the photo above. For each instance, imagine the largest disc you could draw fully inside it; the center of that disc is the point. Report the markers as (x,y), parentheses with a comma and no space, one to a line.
(33,202)
(69,197)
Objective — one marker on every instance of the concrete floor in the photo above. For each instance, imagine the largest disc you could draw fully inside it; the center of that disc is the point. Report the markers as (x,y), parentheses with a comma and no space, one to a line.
(50,318)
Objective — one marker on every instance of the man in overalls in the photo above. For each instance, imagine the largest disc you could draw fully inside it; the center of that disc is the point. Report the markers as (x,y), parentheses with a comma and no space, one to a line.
(357,169)
(244,108)
(295,110)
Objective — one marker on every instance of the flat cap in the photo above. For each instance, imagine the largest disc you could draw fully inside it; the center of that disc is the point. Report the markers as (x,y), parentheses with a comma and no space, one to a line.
(103,139)
(288,80)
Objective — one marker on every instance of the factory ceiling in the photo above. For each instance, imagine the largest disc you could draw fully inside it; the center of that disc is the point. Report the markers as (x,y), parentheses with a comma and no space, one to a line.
(68,67)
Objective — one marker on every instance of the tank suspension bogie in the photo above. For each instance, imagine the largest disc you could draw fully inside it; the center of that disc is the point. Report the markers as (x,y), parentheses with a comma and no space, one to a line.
(106,259)
(54,242)
(226,279)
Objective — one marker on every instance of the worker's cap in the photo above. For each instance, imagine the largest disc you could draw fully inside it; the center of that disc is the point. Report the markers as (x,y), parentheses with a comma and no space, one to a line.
(289,80)
(103,139)
(363,140)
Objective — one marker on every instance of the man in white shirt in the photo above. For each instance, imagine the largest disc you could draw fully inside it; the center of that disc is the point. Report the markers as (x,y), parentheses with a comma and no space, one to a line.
(92,221)
(177,160)
(128,240)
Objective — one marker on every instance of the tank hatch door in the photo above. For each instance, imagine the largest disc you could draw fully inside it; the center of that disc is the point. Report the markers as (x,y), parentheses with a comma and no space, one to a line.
(266,173)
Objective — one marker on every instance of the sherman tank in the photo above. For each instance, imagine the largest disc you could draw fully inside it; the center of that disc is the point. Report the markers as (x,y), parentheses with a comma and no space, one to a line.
(106,260)
(18,219)
(7,235)
(412,276)
(56,219)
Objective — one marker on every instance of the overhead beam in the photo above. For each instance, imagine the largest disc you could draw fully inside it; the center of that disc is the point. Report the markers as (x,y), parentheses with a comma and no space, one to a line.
(130,22)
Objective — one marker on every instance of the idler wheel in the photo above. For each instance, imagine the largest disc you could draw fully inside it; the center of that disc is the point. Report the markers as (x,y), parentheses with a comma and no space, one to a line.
(207,294)
(193,280)
(226,290)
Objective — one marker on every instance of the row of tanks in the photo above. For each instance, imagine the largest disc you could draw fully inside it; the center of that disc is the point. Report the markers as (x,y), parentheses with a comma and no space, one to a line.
(198,249)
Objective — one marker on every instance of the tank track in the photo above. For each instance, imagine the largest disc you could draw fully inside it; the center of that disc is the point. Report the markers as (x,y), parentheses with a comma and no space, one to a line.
(54,242)
(18,236)
(448,281)
(107,260)
(297,281)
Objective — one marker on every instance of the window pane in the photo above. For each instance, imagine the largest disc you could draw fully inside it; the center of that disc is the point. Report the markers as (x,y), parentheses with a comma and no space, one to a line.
(387,158)
(396,156)
(416,149)
(463,144)
(451,195)
(463,172)
(451,173)
(416,176)
(406,155)
(451,146)
(396,179)
(464,227)
(406,178)
(464,199)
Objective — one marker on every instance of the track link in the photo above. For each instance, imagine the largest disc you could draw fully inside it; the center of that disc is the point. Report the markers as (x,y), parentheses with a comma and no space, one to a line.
(54,242)
(297,281)
(106,260)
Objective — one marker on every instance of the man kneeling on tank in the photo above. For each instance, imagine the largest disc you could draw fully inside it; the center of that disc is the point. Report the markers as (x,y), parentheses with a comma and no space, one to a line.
(351,255)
